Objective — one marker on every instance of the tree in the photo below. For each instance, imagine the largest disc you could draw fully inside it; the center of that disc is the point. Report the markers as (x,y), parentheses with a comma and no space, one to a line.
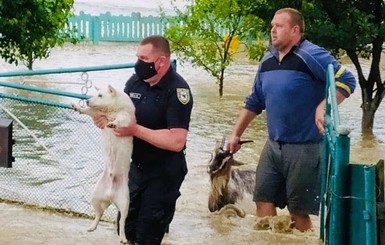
(30,28)
(357,27)
(209,32)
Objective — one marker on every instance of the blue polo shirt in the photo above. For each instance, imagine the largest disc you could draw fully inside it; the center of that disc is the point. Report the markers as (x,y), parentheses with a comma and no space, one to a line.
(291,89)
(166,105)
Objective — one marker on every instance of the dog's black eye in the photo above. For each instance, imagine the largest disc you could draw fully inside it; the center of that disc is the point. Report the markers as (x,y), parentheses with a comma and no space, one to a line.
(100,95)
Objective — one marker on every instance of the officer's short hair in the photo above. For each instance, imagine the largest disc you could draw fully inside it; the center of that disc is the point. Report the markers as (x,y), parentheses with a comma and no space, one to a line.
(158,42)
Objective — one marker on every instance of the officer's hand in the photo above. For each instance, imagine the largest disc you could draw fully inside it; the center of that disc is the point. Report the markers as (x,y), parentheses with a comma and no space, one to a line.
(130,130)
(100,121)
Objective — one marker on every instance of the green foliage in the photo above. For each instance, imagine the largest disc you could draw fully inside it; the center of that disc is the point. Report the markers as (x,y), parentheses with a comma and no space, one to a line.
(338,25)
(206,32)
(30,28)
(333,24)
(355,28)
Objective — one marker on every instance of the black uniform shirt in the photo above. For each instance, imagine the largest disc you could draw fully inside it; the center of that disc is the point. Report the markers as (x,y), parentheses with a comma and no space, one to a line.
(166,105)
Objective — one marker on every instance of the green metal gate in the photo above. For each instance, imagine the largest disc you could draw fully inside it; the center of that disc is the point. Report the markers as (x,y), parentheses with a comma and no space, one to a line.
(348,206)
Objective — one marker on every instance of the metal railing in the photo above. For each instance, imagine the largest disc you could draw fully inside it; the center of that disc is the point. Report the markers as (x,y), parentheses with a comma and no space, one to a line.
(348,201)
(57,151)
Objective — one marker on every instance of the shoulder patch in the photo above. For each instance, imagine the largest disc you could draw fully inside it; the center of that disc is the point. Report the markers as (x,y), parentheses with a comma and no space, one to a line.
(183,95)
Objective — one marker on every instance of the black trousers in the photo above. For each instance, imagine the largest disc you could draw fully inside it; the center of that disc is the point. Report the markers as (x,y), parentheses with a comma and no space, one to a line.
(153,196)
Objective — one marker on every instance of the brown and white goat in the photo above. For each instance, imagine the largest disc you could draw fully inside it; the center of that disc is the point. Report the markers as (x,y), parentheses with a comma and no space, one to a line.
(230,187)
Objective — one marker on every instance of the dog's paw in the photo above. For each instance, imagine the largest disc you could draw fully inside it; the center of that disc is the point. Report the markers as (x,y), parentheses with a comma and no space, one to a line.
(75,107)
(91,228)
(124,241)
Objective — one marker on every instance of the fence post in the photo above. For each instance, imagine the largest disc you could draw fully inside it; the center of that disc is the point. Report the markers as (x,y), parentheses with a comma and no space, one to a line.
(380,212)
(338,223)
(136,26)
(370,207)
(334,170)
(96,29)
(325,163)
(6,143)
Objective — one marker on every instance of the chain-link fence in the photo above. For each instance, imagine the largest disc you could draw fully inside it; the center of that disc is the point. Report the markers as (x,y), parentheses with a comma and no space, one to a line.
(57,157)
(57,152)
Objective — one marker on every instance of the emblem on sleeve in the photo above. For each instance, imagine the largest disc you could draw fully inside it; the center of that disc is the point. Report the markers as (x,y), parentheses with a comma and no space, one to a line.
(183,95)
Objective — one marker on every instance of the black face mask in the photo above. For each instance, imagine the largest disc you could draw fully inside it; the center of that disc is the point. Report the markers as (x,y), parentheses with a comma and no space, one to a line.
(145,70)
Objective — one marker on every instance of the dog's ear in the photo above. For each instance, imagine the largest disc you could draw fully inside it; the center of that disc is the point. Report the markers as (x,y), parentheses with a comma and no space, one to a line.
(97,89)
(112,90)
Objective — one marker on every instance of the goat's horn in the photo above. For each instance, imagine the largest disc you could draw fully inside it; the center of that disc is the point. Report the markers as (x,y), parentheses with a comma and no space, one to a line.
(223,141)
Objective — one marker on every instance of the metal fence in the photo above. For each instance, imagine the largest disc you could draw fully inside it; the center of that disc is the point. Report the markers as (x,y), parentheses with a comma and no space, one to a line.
(57,157)
(348,191)
(106,27)
(57,151)
(120,28)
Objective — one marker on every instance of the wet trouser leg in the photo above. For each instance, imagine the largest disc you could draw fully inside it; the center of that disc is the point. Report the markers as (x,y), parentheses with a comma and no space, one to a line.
(152,208)
(156,212)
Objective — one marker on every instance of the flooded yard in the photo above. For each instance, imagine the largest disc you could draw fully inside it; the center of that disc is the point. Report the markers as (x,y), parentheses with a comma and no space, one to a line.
(211,118)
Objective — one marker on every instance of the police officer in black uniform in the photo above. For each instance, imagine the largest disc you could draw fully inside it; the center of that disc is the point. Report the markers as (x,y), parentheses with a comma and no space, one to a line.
(163,103)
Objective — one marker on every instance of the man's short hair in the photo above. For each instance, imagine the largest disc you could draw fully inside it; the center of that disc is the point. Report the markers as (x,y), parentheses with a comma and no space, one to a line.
(296,17)
(158,42)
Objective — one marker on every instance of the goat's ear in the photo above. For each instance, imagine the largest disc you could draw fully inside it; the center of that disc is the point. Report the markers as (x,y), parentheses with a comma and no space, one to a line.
(237,163)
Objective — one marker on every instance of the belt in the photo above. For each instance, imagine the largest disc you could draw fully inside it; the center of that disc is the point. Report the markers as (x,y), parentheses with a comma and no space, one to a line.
(282,143)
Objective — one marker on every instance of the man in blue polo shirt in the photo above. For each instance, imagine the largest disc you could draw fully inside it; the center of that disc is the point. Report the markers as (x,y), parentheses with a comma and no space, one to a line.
(163,103)
(290,86)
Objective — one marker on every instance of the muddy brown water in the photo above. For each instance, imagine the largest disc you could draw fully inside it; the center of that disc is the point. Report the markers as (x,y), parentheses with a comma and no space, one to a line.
(211,118)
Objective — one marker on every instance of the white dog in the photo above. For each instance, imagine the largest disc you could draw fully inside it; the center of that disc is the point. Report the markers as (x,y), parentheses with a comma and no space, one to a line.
(112,187)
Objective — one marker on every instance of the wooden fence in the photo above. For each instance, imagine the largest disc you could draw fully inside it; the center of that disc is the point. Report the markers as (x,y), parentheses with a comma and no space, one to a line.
(108,28)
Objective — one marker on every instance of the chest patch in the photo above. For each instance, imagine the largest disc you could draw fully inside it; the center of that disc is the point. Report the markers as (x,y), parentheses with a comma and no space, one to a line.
(135,95)
(183,95)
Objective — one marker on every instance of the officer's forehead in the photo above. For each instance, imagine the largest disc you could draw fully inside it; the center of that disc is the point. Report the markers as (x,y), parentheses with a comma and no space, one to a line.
(146,52)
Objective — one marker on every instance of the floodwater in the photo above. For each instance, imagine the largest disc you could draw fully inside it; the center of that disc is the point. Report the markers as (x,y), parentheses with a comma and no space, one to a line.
(211,118)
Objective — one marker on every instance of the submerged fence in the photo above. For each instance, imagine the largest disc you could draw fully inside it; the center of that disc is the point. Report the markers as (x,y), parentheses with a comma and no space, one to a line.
(348,191)
(106,27)
(57,153)
(109,28)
